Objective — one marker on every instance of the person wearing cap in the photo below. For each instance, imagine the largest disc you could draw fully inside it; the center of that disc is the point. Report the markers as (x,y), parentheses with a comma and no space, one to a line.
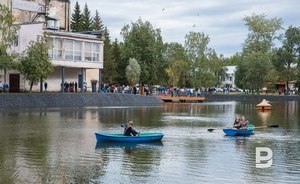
(129,130)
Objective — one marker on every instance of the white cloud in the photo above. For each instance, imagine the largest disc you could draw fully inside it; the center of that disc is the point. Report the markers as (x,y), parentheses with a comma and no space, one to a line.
(220,19)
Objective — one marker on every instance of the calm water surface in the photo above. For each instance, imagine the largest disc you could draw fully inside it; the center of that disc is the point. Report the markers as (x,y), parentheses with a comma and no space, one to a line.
(59,145)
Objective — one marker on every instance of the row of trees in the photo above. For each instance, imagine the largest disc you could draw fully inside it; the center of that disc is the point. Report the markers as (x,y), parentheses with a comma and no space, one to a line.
(191,65)
(144,58)
(263,65)
(82,21)
(194,64)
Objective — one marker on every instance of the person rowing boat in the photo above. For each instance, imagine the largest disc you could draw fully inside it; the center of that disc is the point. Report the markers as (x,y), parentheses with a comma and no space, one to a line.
(129,130)
(240,122)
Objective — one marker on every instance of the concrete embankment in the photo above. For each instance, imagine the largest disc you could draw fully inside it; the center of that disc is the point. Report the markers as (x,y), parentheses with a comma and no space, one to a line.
(52,100)
(47,100)
(250,97)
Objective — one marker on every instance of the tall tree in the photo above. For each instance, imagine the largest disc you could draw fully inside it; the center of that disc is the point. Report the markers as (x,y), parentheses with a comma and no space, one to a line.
(107,68)
(111,64)
(143,42)
(76,19)
(8,36)
(288,55)
(202,72)
(133,72)
(36,64)
(233,60)
(87,21)
(256,68)
(177,66)
(97,23)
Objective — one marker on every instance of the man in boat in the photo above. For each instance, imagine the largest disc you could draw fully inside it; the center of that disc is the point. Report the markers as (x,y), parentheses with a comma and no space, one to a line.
(129,130)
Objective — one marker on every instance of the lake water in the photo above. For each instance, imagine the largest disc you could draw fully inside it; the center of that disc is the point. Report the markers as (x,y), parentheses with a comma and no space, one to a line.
(59,145)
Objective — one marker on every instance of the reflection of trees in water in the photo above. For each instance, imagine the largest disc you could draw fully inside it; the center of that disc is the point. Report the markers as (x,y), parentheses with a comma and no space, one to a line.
(142,158)
(142,116)
(129,159)
(194,148)
(285,114)
(26,149)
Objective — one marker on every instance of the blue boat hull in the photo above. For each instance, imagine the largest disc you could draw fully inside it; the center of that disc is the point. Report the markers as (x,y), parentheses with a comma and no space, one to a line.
(237,132)
(143,137)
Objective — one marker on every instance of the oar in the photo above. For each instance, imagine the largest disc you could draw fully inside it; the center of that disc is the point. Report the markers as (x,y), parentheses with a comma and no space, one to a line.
(211,129)
(267,126)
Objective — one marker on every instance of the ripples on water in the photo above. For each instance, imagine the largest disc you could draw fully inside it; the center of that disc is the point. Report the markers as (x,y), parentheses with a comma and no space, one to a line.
(58,146)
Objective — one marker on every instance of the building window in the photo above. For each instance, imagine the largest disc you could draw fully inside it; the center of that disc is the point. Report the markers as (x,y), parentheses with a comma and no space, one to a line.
(77,50)
(57,48)
(55,52)
(230,78)
(88,51)
(50,51)
(69,50)
(96,52)
(72,50)
(92,51)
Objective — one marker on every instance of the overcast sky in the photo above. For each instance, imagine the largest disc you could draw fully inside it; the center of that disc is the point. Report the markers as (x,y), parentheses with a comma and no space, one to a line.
(221,20)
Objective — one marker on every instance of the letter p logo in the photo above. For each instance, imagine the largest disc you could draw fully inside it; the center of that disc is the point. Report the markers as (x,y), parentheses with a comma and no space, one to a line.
(265,160)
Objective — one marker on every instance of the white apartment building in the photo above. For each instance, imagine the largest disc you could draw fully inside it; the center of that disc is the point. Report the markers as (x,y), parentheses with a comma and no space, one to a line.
(76,57)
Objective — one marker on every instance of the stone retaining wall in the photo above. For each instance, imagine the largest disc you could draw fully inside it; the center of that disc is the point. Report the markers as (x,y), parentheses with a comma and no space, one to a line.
(46,100)
(249,97)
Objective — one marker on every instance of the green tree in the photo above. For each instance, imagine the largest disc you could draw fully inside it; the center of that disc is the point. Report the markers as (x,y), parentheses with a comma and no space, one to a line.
(177,72)
(177,66)
(288,55)
(143,42)
(87,21)
(97,23)
(203,67)
(133,71)
(217,68)
(233,60)
(255,68)
(36,64)
(8,36)
(107,68)
(111,70)
(76,19)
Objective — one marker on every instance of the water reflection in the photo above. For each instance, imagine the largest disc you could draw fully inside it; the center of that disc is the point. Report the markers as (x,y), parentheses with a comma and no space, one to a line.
(264,116)
(59,145)
(128,146)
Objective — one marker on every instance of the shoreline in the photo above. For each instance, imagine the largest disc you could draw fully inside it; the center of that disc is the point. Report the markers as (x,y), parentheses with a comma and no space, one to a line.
(53,100)
(250,97)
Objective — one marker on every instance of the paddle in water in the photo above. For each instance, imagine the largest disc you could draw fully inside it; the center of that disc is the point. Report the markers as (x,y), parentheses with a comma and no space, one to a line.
(267,126)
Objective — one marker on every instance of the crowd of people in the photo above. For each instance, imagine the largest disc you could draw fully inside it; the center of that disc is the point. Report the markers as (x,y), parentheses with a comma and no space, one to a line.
(240,122)
(176,91)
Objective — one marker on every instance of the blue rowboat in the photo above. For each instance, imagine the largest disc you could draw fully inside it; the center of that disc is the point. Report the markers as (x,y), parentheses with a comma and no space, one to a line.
(143,137)
(239,132)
